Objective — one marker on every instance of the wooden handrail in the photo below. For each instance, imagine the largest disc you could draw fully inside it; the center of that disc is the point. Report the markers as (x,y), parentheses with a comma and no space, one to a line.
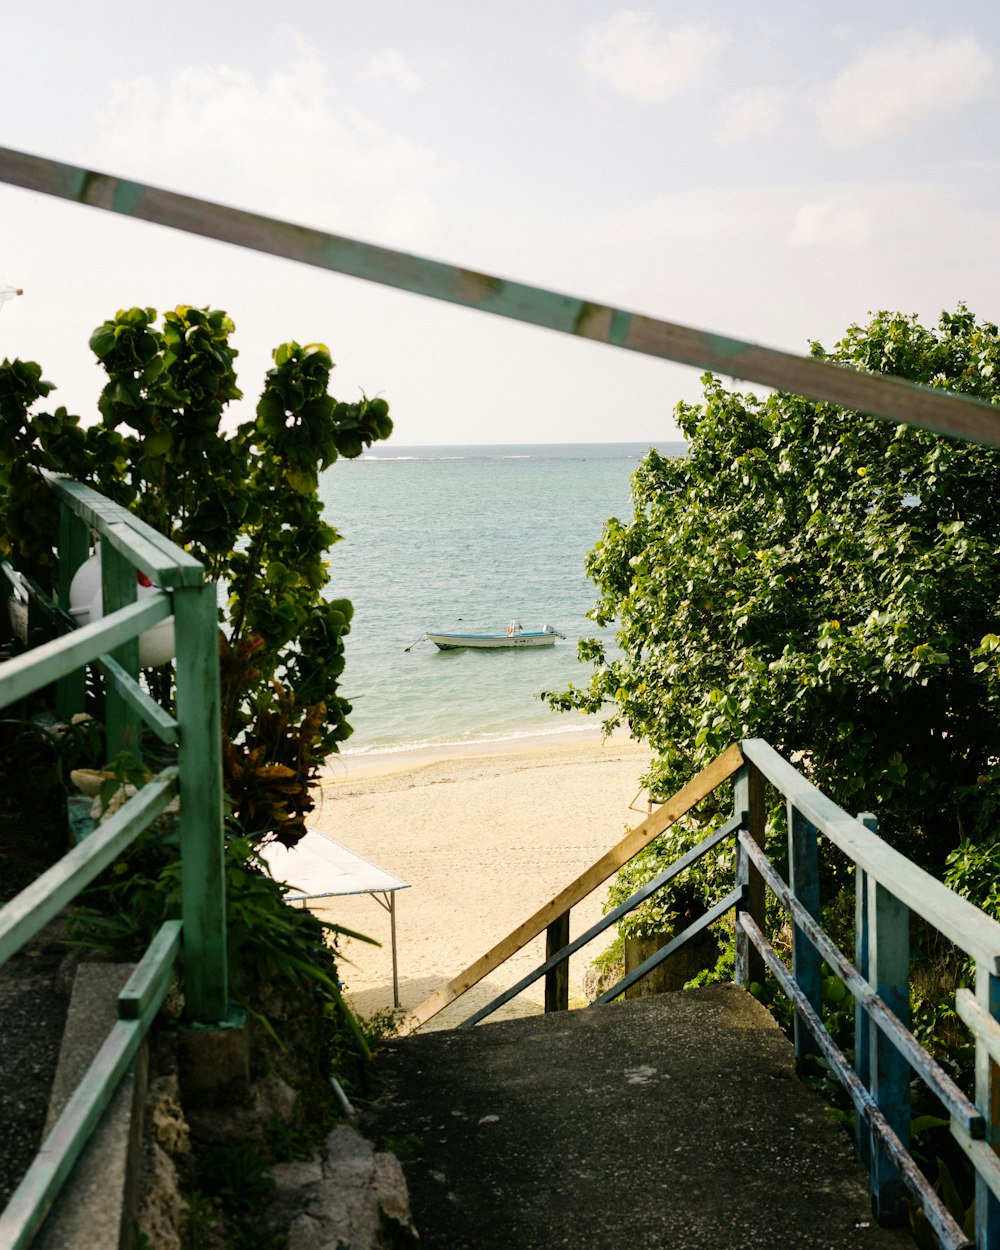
(559,957)
(892,398)
(196,780)
(634,841)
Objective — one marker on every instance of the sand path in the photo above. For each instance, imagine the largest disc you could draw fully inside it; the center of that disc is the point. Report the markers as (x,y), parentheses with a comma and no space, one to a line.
(484,839)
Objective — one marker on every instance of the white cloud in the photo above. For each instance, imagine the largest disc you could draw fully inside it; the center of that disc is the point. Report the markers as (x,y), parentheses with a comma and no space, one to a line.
(837,223)
(643,63)
(787,263)
(889,90)
(861,217)
(281,146)
(703,218)
(749,114)
(390,66)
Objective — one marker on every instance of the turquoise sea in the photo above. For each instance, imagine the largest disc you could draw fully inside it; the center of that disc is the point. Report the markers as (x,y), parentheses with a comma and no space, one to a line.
(464,539)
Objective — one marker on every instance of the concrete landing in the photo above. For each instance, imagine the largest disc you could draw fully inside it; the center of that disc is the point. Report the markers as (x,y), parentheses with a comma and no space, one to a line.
(673,1121)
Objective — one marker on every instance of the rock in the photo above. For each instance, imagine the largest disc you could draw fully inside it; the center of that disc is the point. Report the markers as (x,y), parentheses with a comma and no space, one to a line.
(166,1119)
(289,1177)
(393,1195)
(245,1120)
(161,1215)
(599,978)
(273,1099)
(360,1202)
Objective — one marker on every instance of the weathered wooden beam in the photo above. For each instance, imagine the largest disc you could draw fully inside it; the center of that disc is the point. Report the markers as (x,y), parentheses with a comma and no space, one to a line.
(656,823)
(983,1158)
(74,547)
(48,894)
(891,398)
(862,1050)
(981,1024)
(889,974)
(557,978)
(147,987)
(146,547)
(203,859)
(32,670)
(120,591)
(988,1101)
(803,876)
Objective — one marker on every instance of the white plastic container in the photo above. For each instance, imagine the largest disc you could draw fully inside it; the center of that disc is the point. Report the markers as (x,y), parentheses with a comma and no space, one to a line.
(86,604)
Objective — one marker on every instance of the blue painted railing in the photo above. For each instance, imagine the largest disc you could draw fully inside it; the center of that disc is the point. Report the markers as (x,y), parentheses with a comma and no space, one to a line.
(889,888)
(110,644)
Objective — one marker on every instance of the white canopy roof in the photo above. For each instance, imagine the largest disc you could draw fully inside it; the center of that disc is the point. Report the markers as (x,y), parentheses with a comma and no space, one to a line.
(318,867)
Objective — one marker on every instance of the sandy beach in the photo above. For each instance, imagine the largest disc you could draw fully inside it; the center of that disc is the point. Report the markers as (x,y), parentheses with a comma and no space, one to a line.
(483,837)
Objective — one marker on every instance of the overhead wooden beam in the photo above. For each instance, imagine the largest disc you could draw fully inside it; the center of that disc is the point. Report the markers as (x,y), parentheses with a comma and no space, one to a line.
(893,399)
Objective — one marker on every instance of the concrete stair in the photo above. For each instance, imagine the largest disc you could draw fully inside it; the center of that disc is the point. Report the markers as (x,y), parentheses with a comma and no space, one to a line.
(672,1121)
(95,1209)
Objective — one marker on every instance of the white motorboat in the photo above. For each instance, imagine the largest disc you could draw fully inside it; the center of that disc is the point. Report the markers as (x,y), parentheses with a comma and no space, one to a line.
(514,637)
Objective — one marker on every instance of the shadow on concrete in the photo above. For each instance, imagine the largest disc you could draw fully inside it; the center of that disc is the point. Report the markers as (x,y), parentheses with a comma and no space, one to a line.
(413,991)
(674,1121)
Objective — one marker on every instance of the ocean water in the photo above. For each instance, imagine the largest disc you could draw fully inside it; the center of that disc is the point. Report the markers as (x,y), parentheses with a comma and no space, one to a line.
(463,539)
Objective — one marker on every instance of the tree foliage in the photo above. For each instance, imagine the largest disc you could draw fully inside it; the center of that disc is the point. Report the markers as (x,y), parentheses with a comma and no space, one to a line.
(244,503)
(821,579)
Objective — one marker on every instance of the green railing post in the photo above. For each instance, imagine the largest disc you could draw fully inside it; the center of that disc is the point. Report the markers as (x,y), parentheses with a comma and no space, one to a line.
(748,799)
(203,882)
(119,583)
(862,1025)
(803,877)
(889,974)
(988,1101)
(74,546)
(127,544)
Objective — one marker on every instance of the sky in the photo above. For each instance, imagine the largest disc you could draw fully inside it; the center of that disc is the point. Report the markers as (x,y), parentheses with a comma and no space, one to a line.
(773,172)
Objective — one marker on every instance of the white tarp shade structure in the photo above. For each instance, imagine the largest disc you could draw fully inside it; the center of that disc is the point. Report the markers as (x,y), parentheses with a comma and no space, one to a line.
(318,867)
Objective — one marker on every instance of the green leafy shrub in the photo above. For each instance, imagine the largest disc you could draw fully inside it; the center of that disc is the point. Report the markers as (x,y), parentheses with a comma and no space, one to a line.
(245,503)
(826,581)
(821,579)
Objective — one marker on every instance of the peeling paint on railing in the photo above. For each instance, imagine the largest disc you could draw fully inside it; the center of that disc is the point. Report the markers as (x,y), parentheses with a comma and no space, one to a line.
(893,399)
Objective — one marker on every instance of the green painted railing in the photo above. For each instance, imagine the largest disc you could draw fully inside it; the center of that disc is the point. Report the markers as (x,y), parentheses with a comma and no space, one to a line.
(126,545)
(894,399)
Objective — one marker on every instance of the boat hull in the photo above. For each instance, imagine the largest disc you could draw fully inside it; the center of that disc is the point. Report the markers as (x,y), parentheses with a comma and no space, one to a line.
(491,642)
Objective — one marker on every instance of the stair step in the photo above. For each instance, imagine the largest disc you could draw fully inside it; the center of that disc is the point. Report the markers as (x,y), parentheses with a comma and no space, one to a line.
(669,1121)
